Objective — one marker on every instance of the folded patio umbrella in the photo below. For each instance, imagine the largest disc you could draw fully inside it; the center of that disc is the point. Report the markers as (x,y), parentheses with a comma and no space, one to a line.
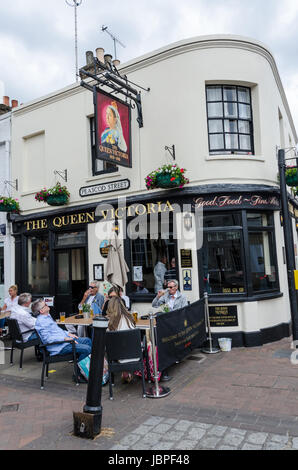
(116,268)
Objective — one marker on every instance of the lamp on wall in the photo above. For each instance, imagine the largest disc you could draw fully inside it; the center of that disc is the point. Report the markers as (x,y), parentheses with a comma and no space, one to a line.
(187,220)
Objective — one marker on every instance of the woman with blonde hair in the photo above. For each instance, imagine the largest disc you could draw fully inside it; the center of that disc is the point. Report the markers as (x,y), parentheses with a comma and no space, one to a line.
(9,302)
(120,319)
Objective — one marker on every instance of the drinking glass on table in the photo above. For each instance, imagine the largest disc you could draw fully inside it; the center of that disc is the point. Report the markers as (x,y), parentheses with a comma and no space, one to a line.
(91,312)
(62,316)
(135,316)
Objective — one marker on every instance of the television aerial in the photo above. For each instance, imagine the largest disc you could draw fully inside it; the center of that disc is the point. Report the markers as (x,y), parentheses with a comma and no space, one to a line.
(75,4)
(115,39)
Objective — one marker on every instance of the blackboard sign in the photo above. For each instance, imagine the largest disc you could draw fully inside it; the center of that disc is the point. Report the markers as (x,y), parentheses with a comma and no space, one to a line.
(186,258)
(224,315)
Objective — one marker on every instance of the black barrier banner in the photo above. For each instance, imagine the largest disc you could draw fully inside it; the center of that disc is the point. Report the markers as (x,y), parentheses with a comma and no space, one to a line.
(179,332)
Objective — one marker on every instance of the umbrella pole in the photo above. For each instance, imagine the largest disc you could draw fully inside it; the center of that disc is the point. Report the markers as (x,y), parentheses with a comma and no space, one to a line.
(156,390)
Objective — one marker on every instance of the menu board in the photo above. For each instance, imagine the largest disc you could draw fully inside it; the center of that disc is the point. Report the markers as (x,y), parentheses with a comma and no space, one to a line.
(186,258)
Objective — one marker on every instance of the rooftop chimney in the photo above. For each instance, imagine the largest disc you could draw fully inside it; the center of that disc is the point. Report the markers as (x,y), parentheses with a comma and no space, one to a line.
(116,63)
(108,59)
(5,108)
(100,54)
(89,57)
(14,103)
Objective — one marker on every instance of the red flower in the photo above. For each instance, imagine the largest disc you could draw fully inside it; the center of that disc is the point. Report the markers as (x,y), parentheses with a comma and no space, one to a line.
(173,179)
(182,171)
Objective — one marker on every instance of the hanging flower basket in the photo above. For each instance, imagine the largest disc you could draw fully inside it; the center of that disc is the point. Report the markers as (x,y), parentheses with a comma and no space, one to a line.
(167,181)
(56,196)
(57,200)
(291,176)
(167,177)
(8,204)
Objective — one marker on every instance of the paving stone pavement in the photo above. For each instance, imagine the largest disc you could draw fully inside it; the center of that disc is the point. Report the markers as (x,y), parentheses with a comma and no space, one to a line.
(245,399)
(161,433)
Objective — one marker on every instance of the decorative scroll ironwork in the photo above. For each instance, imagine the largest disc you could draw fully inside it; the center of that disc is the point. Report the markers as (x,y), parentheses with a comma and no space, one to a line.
(107,75)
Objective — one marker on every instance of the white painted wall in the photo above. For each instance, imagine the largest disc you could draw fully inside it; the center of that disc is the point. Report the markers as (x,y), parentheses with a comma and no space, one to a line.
(6,190)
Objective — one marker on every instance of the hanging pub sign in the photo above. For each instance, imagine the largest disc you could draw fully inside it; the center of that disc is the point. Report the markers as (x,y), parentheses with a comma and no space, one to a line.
(112,129)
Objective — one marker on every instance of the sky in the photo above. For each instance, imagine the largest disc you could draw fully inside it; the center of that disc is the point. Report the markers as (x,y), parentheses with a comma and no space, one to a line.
(37,54)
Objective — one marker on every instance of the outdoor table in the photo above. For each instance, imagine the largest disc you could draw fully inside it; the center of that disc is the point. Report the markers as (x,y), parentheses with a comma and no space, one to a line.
(4,314)
(141,324)
(72,320)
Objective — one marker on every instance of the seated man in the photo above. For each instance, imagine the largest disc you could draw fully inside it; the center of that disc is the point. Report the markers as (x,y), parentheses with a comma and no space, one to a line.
(172,297)
(50,332)
(175,300)
(21,312)
(93,297)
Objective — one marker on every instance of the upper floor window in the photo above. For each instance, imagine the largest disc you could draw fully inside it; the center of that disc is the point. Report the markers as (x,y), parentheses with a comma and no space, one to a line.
(98,166)
(230,127)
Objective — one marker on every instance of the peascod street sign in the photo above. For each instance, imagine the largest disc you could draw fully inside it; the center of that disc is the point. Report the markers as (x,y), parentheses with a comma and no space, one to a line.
(104,188)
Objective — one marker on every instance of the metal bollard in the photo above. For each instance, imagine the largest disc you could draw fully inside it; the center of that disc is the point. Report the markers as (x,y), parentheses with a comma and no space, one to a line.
(88,423)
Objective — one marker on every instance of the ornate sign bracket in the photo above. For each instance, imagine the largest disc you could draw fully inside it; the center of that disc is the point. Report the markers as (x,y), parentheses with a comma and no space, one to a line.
(107,75)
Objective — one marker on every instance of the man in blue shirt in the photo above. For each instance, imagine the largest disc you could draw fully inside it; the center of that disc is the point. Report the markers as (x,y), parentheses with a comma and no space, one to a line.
(50,332)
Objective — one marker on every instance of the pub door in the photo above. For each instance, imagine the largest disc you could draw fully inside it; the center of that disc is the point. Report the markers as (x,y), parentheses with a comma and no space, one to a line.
(70,279)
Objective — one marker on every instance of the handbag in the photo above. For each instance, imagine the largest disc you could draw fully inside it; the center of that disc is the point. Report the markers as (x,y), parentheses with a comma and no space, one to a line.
(149,375)
(84,366)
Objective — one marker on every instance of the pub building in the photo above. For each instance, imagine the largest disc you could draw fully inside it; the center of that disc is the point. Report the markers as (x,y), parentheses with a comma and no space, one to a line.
(223,123)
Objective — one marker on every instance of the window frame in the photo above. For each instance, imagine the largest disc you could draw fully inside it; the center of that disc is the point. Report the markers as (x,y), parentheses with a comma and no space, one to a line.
(249,293)
(140,298)
(225,150)
(108,167)
(37,235)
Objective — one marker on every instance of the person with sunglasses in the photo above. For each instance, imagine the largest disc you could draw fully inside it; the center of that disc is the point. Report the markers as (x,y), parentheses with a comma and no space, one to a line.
(50,332)
(113,292)
(172,297)
(93,297)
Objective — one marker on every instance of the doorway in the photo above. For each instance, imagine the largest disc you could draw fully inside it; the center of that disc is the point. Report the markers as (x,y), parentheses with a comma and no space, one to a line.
(70,279)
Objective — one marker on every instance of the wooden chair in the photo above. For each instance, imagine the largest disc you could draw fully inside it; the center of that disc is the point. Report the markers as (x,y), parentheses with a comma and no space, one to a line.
(124,345)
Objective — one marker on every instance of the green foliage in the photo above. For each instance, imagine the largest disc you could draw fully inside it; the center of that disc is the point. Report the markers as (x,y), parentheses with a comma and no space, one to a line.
(56,190)
(9,203)
(172,171)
